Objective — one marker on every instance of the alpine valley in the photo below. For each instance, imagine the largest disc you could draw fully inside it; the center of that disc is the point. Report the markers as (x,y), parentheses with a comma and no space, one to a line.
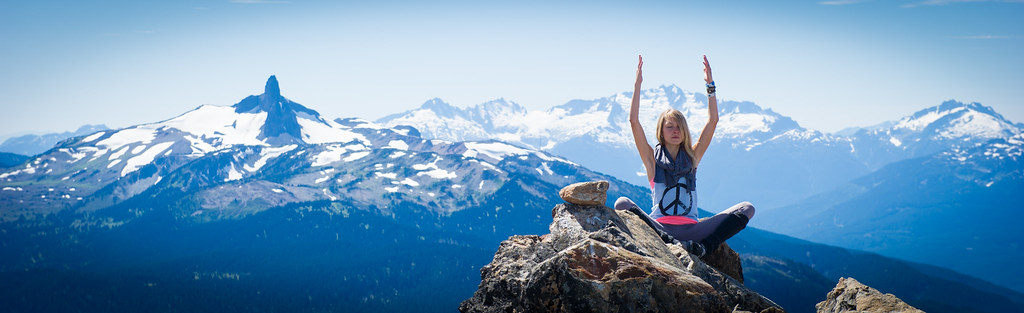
(268,206)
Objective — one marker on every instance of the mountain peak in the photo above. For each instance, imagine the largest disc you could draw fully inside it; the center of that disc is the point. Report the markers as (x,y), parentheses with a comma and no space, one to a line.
(434,103)
(281,126)
(272,88)
(441,108)
(954,119)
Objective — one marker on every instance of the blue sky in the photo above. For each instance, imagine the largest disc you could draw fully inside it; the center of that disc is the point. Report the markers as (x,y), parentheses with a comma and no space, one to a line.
(827,64)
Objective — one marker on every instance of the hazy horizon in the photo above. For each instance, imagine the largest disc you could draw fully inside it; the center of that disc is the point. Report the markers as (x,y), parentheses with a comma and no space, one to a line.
(829,65)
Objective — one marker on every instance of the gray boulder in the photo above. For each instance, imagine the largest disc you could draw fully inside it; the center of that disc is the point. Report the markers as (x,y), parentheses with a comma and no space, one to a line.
(597,259)
(852,296)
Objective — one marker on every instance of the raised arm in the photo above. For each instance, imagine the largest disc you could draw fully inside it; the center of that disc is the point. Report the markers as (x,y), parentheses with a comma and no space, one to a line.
(639,138)
(709,129)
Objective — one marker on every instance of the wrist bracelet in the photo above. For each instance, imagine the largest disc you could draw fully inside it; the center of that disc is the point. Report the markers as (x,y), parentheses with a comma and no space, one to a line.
(712,94)
(711,90)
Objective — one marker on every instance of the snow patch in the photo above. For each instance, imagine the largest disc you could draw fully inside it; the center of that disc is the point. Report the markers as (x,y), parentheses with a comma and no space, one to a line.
(199,146)
(398,144)
(433,171)
(493,150)
(93,137)
(334,152)
(386,175)
(545,169)
(356,155)
(128,136)
(266,154)
(745,123)
(117,154)
(211,121)
(233,174)
(74,154)
(319,132)
(329,195)
(439,174)
(895,142)
(146,157)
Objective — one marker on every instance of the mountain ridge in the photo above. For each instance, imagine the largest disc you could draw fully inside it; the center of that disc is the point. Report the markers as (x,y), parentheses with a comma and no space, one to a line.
(970,141)
(202,201)
(30,145)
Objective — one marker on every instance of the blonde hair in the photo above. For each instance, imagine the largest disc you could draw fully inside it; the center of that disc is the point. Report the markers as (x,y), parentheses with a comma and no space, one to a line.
(687,145)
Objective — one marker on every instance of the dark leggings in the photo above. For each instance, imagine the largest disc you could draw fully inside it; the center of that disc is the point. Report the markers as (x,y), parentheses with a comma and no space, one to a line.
(698,231)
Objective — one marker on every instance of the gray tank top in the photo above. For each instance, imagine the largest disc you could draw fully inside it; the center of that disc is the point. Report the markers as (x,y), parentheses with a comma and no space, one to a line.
(673,196)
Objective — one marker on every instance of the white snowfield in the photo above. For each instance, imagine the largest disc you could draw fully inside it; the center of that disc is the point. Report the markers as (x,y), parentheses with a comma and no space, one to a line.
(744,124)
(144,158)
(500,150)
(209,128)
(337,152)
(606,120)
(469,133)
(432,170)
(963,122)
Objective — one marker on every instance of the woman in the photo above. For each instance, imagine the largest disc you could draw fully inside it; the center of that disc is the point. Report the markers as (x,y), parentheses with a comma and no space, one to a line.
(671,169)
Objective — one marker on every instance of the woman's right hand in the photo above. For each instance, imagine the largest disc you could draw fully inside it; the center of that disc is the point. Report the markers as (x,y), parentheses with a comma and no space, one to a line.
(639,72)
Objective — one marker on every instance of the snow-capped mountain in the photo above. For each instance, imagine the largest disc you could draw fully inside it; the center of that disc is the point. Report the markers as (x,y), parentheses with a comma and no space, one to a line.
(272,152)
(596,134)
(892,188)
(758,155)
(931,130)
(266,205)
(265,195)
(605,120)
(70,174)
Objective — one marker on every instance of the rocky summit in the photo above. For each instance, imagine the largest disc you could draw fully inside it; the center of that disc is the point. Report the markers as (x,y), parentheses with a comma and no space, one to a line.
(597,259)
(852,296)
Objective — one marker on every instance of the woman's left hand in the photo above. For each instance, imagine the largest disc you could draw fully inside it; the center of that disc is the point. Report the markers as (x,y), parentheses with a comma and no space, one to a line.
(707,71)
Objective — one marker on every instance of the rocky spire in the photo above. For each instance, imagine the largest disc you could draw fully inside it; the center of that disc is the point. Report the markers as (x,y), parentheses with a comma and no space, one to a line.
(282,126)
(272,89)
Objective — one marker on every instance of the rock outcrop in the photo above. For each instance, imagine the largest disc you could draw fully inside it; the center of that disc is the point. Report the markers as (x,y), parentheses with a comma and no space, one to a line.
(852,296)
(588,193)
(597,259)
